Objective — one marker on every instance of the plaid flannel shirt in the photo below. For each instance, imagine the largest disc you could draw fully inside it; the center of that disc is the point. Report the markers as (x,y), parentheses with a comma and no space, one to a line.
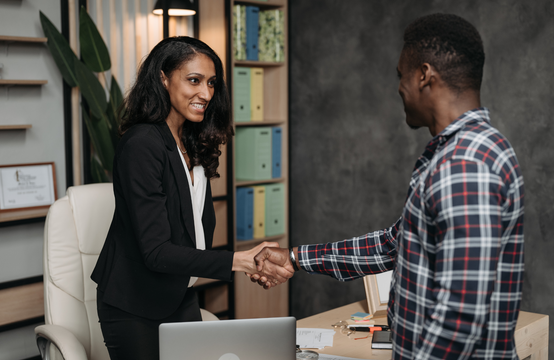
(456,252)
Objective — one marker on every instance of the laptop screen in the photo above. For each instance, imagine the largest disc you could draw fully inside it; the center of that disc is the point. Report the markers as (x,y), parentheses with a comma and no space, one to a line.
(245,339)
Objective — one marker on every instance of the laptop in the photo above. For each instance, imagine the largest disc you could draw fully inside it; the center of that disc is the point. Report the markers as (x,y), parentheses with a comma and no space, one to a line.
(245,339)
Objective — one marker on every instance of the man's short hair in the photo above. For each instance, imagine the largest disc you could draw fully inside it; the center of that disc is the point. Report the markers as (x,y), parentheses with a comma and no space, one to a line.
(451,45)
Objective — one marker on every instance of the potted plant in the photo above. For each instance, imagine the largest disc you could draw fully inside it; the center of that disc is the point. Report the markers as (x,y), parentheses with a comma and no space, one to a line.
(101,107)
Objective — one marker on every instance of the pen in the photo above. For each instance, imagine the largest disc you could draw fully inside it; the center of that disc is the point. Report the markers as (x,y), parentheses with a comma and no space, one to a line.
(369,328)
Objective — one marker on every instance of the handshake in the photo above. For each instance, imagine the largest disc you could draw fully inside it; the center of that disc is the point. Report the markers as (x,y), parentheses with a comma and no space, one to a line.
(266,264)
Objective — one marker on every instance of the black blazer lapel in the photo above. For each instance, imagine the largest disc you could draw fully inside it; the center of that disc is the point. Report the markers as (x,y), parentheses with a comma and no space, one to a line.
(180,179)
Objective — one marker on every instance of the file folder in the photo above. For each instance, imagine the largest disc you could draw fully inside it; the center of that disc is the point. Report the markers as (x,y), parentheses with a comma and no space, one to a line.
(259,212)
(241,94)
(276,141)
(256,94)
(252,22)
(266,36)
(253,153)
(279,36)
(245,213)
(239,32)
(274,209)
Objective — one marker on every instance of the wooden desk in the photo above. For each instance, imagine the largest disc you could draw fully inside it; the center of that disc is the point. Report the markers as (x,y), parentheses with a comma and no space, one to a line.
(531,334)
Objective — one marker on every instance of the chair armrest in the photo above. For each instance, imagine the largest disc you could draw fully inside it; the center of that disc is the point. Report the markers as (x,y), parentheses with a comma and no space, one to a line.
(208,316)
(63,339)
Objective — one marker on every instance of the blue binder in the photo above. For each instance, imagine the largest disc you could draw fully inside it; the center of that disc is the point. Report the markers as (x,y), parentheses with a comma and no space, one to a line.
(245,213)
(276,136)
(252,22)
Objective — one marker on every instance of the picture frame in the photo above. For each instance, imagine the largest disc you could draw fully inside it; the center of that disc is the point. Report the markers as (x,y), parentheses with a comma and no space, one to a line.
(377,289)
(27,186)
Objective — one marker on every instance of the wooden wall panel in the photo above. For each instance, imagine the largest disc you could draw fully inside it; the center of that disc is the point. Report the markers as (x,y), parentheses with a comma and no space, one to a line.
(21,303)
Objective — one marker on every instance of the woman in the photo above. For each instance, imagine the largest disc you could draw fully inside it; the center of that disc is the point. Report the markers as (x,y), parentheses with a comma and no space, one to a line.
(177,115)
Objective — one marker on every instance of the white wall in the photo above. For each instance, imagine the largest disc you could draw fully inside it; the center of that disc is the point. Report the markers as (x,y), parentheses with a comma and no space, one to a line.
(21,246)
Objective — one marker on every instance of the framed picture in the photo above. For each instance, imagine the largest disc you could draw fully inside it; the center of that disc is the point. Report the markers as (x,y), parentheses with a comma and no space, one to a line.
(377,289)
(27,186)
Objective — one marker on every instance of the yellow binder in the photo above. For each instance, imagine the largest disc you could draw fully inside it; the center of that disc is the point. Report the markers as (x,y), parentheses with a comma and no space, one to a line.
(256,94)
(259,212)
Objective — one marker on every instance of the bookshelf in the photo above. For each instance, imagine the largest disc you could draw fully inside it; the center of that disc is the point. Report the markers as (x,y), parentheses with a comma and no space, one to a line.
(251,301)
(241,298)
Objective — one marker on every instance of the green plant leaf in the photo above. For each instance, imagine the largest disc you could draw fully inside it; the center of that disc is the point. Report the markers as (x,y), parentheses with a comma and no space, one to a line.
(101,140)
(94,51)
(114,110)
(63,56)
(92,90)
(97,172)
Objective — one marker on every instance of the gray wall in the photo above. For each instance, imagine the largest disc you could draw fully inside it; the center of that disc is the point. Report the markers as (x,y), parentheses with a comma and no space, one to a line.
(21,245)
(351,152)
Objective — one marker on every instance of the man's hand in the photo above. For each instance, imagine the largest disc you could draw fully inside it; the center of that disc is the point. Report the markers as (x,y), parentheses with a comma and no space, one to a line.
(267,275)
(271,263)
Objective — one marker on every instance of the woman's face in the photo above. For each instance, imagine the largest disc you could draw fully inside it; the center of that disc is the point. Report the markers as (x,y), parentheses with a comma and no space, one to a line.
(191,87)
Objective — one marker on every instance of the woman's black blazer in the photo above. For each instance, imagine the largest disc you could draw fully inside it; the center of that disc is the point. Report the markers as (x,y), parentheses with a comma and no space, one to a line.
(150,251)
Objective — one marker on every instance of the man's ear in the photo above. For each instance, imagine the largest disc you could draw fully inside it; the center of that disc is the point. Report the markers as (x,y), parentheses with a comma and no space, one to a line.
(427,75)
(164,79)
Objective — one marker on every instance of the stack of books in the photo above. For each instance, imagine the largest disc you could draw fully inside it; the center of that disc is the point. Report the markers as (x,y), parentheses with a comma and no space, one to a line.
(258,35)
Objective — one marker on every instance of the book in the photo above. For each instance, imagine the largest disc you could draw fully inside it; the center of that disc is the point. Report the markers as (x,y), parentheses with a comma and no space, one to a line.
(381,340)
(256,94)
(361,316)
(245,213)
(279,36)
(266,36)
(259,212)
(271,36)
(274,209)
(253,153)
(276,141)
(239,32)
(252,22)
(241,94)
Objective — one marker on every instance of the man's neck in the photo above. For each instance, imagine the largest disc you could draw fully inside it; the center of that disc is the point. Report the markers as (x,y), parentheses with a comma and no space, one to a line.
(450,107)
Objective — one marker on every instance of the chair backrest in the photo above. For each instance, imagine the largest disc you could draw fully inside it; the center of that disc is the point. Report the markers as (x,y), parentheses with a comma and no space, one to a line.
(76,227)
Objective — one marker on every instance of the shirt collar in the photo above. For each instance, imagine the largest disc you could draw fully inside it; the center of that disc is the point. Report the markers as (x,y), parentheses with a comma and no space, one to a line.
(471,116)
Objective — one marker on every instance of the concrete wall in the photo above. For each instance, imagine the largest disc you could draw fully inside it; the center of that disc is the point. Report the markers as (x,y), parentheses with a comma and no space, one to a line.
(351,152)
(21,246)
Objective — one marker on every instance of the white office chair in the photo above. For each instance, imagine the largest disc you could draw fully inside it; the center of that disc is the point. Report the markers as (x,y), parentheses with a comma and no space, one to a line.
(76,227)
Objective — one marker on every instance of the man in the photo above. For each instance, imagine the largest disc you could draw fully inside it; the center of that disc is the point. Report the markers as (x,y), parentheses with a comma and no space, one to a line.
(457,250)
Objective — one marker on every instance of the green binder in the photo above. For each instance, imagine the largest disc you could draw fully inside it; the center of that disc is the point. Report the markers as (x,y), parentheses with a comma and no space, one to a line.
(241,94)
(253,153)
(274,209)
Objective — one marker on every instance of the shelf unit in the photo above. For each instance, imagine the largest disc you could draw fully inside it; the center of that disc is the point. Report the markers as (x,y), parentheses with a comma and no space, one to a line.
(22,39)
(5,82)
(241,298)
(214,295)
(15,127)
(21,300)
(251,300)
(23,214)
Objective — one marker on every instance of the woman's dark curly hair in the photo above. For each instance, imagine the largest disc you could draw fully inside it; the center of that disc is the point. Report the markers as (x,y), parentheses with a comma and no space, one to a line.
(148,101)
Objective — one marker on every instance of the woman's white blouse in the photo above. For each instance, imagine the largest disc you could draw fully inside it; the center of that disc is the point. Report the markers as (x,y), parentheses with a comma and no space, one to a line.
(198,196)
